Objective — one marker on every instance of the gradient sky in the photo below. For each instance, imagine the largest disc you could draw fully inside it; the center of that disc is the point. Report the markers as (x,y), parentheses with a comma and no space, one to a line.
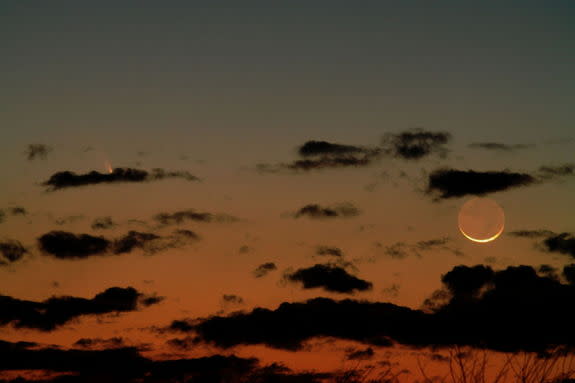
(216,88)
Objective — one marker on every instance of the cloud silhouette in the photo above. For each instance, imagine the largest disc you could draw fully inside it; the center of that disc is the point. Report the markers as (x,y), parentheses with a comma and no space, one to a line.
(323,148)
(531,233)
(191,215)
(13,211)
(37,151)
(329,277)
(451,183)
(553,172)
(99,343)
(11,251)
(360,354)
(328,250)
(563,243)
(103,223)
(496,146)
(569,273)
(509,310)
(67,179)
(264,269)
(57,311)
(127,365)
(415,144)
(316,211)
(316,155)
(66,245)
(232,298)
(401,250)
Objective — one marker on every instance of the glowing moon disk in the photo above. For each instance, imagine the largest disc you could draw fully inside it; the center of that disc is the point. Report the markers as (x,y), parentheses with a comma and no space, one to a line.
(481,220)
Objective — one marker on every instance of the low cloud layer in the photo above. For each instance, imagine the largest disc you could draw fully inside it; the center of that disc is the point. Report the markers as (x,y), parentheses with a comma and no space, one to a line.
(316,211)
(329,277)
(508,310)
(128,365)
(57,311)
(67,179)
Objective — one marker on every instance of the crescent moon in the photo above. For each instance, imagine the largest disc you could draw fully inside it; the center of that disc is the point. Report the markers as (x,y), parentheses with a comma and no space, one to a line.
(492,238)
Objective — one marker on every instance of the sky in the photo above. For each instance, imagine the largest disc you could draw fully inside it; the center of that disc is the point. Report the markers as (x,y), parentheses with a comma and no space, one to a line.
(269,191)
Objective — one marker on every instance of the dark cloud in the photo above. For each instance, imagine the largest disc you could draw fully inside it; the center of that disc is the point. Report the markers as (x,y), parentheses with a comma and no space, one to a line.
(18,210)
(190,215)
(360,354)
(11,251)
(186,343)
(498,146)
(318,212)
(328,250)
(415,144)
(398,250)
(431,243)
(13,211)
(322,148)
(66,245)
(563,243)
(103,223)
(151,243)
(569,273)
(514,309)
(531,233)
(244,249)
(553,172)
(99,343)
(127,365)
(548,271)
(67,179)
(329,277)
(450,183)
(264,269)
(133,240)
(401,250)
(392,290)
(69,219)
(316,155)
(37,151)
(346,161)
(464,281)
(57,311)
(232,298)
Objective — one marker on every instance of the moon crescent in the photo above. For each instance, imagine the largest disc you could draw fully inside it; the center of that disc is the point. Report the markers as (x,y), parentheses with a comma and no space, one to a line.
(483,240)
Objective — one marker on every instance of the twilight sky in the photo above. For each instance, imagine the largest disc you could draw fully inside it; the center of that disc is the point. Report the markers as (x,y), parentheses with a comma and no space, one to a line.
(189,185)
